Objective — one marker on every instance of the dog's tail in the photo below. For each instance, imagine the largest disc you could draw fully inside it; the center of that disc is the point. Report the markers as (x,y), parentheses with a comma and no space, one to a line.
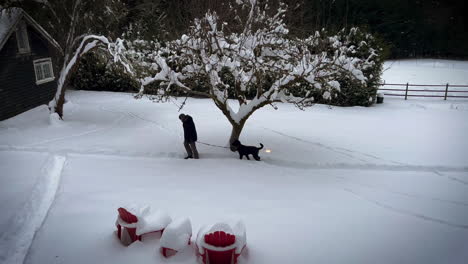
(261,146)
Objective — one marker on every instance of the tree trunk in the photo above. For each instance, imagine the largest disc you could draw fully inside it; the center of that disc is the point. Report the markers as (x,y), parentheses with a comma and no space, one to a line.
(60,103)
(235,133)
(69,67)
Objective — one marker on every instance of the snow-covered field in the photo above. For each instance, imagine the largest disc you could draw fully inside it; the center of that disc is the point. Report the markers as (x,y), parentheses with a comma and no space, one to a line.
(426,72)
(385,184)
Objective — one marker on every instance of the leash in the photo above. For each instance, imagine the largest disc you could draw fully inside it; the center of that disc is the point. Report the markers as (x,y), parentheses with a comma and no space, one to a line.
(211,145)
(179,106)
(183,103)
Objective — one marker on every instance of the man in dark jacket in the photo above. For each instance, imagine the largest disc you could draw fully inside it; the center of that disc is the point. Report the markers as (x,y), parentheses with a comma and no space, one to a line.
(190,136)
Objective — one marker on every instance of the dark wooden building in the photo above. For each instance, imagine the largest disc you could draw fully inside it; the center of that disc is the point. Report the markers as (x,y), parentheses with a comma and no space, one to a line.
(28,71)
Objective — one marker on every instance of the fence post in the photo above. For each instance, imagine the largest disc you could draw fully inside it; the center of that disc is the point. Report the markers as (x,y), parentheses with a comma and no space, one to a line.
(406,93)
(446,91)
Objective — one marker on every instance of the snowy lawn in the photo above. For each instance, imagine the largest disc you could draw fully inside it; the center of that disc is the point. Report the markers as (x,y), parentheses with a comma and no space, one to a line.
(385,184)
(426,72)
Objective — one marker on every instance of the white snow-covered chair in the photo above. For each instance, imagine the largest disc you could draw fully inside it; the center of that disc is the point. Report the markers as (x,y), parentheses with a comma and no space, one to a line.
(221,243)
(176,237)
(134,221)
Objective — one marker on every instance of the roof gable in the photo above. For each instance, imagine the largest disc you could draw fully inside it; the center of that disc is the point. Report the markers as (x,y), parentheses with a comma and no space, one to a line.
(9,19)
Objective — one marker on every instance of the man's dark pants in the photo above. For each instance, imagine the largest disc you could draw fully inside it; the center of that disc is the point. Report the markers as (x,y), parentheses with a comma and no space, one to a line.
(191,149)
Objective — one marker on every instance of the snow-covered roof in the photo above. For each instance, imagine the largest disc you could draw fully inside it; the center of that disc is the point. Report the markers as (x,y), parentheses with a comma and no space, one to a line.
(9,18)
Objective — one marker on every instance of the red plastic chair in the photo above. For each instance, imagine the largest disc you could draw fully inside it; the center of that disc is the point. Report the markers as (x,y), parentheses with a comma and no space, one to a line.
(128,218)
(168,252)
(224,248)
(220,239)
(134,222)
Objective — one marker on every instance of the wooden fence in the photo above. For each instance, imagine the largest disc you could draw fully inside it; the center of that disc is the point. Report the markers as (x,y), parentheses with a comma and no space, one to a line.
(428,90)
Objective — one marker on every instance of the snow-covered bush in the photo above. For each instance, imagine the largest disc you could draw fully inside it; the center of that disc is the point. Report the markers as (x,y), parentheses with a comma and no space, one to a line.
(372,51)
(95,73)
(364,47)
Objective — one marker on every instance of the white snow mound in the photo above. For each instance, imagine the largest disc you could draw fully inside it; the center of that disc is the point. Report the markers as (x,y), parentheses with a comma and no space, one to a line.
(177,234)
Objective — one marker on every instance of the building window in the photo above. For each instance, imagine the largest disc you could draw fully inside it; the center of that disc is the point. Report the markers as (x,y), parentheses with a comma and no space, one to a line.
(43,70)
(22,38)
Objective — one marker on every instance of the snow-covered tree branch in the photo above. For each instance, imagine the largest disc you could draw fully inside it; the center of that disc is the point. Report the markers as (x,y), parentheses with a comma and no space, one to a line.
(88,43)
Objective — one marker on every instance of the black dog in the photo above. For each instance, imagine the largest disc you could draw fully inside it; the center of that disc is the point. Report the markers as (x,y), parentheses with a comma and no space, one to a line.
(247,150)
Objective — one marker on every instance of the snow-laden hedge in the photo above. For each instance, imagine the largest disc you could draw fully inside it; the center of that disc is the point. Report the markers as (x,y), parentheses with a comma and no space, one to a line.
(96,73)
(360,45)
(367,46)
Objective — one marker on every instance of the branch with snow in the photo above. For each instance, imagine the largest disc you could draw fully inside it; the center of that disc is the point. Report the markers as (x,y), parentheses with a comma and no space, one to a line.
(116,50)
